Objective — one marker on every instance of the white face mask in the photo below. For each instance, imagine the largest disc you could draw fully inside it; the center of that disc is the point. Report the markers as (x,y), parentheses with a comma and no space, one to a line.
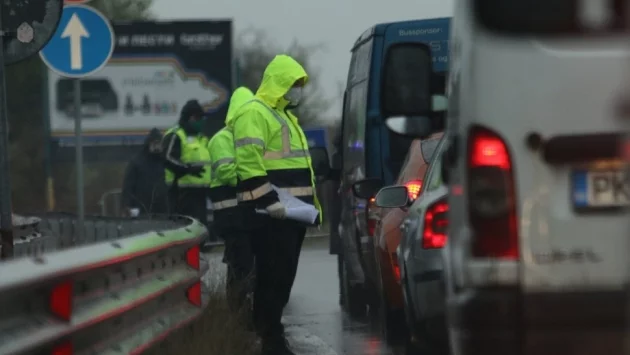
(294,96)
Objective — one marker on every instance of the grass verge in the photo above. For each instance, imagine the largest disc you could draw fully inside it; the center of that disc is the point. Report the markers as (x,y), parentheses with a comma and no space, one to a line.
(217,332)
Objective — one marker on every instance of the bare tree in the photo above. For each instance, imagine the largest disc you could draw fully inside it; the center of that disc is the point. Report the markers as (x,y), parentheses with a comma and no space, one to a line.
(124,10)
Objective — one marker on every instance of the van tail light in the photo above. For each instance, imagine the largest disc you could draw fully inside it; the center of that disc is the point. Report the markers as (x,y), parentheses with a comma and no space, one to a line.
(372,216)
(435,225)
(413,188)
(491,196)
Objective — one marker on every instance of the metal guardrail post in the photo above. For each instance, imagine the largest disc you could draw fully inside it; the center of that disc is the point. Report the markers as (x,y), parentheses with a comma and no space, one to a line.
(102,202)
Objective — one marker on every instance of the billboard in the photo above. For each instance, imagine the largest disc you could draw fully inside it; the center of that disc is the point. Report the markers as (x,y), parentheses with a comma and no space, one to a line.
(155,69)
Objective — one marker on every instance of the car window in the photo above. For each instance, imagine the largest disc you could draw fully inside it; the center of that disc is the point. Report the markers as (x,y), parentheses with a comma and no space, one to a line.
(428,147)
(434,174)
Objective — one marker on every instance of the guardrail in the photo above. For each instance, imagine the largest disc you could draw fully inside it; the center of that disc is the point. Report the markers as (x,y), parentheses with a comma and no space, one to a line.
(118,295)
(116,196)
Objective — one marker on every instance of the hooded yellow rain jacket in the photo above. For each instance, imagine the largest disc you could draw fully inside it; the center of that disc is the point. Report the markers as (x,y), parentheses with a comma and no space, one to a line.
(221,148)
(270,146)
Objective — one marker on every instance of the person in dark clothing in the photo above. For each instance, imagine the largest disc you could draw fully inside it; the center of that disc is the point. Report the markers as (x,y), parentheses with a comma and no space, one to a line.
(144,190)
(186,158)
(228,217)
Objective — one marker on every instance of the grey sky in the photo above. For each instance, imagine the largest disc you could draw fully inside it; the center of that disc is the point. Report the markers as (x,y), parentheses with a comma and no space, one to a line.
(335,23)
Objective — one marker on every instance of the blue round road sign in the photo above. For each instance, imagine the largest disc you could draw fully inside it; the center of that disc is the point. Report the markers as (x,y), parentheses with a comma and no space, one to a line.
(82,44)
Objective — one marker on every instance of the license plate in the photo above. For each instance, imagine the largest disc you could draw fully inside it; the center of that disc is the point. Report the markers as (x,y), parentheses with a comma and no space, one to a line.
(600,188)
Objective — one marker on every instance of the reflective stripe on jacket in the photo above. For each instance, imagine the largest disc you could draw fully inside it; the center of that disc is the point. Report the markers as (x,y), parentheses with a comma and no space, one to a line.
(195,153)
(223,165)
(270,146)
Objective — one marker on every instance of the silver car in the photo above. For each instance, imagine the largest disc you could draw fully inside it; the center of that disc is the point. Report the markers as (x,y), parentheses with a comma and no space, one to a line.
(420,257)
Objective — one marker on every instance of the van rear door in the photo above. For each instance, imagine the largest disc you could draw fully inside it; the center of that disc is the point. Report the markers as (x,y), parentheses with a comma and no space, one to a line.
(552,102)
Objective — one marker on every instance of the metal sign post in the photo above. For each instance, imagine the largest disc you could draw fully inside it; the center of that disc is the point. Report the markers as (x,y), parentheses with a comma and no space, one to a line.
(81,46)
(79,155)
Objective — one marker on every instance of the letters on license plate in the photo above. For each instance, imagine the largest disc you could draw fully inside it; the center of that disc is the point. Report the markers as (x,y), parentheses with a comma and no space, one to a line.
(601,188)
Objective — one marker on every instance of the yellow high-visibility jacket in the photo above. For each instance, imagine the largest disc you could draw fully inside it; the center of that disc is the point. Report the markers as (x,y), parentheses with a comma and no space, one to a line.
(193,152)
(270,146)
(221,149)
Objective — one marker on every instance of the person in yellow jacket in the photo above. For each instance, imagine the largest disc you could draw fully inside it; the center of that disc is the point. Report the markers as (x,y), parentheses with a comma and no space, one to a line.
(271,149)
(228,221)
(186,158)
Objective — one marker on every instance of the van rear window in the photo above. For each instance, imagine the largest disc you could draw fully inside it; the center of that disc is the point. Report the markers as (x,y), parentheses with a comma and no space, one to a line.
(557,17)
(406,88)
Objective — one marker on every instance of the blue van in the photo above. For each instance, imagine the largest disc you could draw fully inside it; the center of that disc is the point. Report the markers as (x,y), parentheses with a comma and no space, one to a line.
(390,75)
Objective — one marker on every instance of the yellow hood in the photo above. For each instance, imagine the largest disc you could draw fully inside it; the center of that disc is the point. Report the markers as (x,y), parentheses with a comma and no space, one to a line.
(240,96)
(279,77)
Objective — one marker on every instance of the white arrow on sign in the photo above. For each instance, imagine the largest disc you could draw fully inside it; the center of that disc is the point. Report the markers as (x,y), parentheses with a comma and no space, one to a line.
(75,31)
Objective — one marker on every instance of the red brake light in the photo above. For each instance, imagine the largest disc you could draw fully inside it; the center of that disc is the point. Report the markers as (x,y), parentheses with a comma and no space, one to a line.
(60,301)
(489,151)
(435,225)
(491,195)
(413,188)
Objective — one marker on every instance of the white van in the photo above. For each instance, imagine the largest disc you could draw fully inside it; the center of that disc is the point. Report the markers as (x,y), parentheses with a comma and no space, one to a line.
(538,258)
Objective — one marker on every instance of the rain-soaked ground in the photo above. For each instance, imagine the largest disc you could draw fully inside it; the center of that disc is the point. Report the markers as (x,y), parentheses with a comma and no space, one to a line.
(314,322)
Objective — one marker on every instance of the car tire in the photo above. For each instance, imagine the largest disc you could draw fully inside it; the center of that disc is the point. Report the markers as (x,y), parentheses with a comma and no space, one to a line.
(353,300)
(413,348)
(393,326)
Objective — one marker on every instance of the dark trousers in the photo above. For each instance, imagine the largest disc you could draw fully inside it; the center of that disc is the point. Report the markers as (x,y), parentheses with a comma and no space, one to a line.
(238,255)
(277,248)
(189,201)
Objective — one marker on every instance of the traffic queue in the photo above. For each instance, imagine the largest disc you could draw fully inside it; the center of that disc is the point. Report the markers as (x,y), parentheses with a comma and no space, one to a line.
(484,202)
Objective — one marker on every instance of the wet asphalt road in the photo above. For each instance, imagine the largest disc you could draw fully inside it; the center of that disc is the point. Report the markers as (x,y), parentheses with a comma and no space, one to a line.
(315,324)
(314,305)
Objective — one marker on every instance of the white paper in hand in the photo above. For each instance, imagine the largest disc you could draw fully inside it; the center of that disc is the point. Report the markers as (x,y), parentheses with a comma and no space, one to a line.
(297,210)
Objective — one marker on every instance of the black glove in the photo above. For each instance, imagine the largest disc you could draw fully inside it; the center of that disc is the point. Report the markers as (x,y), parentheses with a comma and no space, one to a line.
(196,171)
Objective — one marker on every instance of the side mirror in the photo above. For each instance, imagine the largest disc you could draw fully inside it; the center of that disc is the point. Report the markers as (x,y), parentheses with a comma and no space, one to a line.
(367,188)
(415,127)
(421,126)
(320,161)
(392,197)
